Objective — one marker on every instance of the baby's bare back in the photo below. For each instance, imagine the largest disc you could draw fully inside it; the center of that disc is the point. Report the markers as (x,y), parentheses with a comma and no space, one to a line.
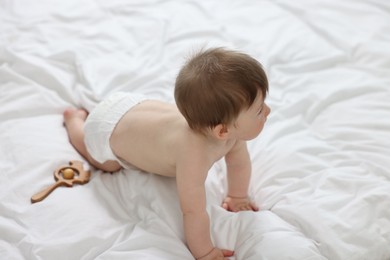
(147,137)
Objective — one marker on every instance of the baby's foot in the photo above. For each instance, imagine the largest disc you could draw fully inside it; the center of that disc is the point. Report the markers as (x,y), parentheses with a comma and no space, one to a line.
(72,114)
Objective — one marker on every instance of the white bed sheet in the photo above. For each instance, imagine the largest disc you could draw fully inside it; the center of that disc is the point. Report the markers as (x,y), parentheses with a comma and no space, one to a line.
(320,168)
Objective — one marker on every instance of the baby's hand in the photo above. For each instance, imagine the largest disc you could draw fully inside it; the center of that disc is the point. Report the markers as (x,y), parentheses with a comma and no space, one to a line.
(238,204)
(217,254)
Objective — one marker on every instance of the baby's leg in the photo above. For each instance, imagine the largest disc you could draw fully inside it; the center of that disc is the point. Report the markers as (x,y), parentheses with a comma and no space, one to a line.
(74,123)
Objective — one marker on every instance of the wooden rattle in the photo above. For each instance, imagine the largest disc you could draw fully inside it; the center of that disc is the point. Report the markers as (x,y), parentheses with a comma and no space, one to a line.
(65,175)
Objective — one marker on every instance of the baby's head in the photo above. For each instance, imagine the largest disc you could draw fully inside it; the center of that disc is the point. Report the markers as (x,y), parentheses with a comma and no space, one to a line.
(215,85)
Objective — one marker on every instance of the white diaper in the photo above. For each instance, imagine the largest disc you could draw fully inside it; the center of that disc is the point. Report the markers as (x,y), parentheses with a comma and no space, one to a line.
(101,122)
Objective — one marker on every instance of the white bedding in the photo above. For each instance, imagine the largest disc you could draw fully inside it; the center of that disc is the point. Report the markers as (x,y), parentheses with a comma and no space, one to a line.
(320,168)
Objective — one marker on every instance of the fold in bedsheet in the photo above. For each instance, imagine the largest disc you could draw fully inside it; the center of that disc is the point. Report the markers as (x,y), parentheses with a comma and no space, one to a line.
(320,168)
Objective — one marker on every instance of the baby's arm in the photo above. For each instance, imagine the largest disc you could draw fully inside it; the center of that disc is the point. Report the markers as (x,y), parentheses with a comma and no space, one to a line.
(239,169)
(190,183)
(191,174)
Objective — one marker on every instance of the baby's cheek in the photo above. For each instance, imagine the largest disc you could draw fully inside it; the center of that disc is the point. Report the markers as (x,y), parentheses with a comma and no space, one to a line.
(262,123)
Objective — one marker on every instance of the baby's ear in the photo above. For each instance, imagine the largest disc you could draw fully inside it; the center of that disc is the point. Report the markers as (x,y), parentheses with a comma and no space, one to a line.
(220,131)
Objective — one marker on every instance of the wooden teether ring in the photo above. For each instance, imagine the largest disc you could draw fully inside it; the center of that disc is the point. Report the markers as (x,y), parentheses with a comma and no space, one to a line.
(65,176)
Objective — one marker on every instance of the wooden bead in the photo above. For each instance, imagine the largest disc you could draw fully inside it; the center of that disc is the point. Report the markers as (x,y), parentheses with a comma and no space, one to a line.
(68,173)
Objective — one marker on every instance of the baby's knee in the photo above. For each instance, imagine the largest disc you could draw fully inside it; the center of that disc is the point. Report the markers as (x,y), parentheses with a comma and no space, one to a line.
(107,166)
(110,166)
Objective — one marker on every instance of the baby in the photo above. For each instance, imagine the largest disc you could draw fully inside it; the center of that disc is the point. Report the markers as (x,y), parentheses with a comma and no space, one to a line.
(220,105)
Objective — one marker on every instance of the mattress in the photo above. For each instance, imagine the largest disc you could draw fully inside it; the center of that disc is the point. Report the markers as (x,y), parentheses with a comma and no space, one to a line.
(320,168)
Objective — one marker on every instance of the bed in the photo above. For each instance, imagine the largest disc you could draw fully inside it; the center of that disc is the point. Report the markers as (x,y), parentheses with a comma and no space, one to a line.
(320,168)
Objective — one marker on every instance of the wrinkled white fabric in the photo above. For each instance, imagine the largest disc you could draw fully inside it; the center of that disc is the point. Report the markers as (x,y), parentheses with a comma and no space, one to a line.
(320,168)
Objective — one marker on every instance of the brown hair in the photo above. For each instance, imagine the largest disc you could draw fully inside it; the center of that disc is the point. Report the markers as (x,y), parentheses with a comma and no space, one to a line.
(215,85)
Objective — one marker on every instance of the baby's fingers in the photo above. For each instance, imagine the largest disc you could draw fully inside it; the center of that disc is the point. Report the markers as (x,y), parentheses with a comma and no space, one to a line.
(254,207)
(225,206)
(227,253)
